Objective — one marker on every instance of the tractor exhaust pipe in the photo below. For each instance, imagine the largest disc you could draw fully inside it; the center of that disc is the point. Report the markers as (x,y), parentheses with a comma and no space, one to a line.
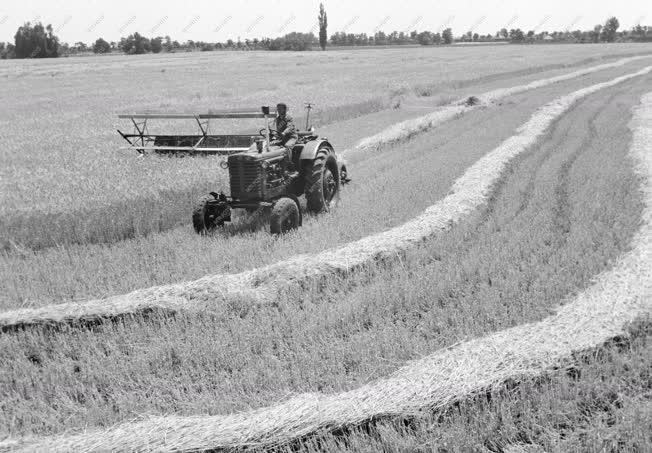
(308,108)
(266,113)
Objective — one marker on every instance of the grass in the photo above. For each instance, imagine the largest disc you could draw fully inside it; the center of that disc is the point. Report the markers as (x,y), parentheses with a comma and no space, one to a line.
(567,208)
(420,171)
(69,184)
(599,402)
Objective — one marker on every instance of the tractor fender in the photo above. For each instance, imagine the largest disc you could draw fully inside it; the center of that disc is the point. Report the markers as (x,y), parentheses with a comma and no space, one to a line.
(309,151)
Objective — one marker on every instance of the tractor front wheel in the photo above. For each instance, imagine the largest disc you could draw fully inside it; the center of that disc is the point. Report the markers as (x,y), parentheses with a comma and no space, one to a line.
(286,216)
(202,222)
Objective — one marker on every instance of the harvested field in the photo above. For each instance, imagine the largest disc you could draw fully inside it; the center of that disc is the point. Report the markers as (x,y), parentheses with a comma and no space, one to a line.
(593,402)
(486,273)
(98,271)
(262,285)
(508,215)
(70,183)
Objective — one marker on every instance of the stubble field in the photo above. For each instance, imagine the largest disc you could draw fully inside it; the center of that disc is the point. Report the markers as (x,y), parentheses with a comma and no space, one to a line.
(563,212)
(64,180)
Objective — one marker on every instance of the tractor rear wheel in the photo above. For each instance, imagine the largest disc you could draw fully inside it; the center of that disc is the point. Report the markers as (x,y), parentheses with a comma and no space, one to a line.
(201,221)
(322,180)
(285,217)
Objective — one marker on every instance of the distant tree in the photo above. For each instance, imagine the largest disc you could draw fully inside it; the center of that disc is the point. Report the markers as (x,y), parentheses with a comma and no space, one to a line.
(323,27)
(135,44)
(293,41)
(609,30)
(8,52)
(577,35)
(476,37)
(101,46)
(425,38)
(595,34)
(156,44)
(36,41)
(143,44)
(516,35)
(167,44)
(641,33)
(639,30)
(447,36)
(126,44)
(503,33)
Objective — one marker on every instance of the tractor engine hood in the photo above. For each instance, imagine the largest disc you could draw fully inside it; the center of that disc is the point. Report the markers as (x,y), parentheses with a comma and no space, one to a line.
(266,153)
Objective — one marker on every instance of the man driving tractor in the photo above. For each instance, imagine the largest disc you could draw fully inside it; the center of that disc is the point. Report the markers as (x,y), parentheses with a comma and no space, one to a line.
(286,131)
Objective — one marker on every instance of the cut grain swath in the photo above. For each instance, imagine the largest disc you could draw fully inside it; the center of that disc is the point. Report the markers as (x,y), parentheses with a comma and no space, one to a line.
(617,298)
(408,128)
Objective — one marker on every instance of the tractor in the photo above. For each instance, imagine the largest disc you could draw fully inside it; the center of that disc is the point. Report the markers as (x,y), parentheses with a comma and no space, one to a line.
(261,174)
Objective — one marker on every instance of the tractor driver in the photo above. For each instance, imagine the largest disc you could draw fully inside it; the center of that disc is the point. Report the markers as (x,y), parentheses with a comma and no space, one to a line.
(286,131)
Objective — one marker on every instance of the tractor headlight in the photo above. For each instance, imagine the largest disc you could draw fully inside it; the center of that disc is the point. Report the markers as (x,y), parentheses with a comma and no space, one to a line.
(224,164)
(264,164)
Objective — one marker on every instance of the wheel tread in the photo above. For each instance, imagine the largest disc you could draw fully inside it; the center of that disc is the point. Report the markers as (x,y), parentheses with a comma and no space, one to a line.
(283,208)
(314,184)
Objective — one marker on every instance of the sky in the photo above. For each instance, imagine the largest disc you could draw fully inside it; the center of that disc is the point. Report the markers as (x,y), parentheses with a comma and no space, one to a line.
(218,20)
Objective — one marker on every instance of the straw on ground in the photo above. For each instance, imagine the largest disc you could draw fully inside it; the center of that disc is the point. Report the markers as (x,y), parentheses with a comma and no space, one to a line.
(618,297)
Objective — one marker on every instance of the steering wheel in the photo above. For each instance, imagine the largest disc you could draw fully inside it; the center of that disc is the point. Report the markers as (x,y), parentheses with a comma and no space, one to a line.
(272,133)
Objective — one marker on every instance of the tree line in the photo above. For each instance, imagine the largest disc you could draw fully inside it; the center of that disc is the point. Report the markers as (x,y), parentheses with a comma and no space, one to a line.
(38,41)
(600,33)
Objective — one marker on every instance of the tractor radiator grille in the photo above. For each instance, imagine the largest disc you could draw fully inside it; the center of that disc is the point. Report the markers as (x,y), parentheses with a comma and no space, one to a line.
(247,178)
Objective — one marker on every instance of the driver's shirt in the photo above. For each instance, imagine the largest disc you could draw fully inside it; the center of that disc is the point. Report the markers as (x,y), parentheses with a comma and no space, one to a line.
(285,127)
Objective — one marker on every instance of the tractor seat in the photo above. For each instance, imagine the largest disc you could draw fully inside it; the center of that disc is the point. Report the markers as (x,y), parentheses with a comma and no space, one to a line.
(306,134)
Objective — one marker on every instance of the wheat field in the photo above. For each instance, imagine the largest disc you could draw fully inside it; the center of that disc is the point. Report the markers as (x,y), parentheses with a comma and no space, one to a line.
(562,212)
(69,182)
(96,271)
